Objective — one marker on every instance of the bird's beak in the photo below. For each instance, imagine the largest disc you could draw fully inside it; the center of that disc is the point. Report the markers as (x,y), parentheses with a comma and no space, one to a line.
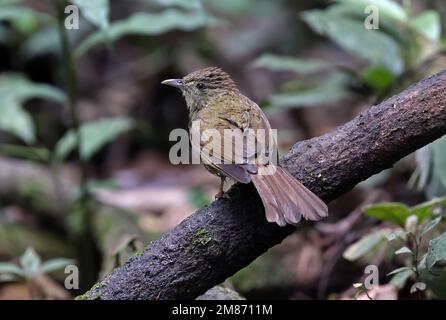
(177,83)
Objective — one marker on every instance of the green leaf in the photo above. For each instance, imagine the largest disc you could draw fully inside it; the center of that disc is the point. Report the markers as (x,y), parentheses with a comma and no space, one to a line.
(423,159)
(386,7)
(10,268)
(439,157)
(322,95)
(30,262)
(19,13)
(94,136)
(426,209)
(379,79)
(350,34)
(23,19)
(399,279)
(365,245)
(403,250)
(55,264)
(399,270)
(9,2)
(329,91)
(31,153)
(244,8)
(431,225)
(397,234)
(316,20)
(147,24)
(417,286)
(184,4)
(435,279)
(428,24)
(283,63)
(394,212)
(435,187)
(44,41)
(96,12)
(436,251)
(16,90)
(17,121)
(16,87)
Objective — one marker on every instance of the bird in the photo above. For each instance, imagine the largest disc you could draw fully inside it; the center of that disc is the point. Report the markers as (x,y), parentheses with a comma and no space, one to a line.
(215,104)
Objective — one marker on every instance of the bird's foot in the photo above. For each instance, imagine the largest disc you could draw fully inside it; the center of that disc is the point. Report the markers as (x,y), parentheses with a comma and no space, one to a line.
(223,195)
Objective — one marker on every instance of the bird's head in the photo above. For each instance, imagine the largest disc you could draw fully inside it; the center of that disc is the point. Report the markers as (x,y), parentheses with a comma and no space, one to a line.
(200,87)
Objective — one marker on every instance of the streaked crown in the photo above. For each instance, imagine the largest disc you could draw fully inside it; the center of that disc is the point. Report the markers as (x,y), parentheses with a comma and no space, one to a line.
(210,78)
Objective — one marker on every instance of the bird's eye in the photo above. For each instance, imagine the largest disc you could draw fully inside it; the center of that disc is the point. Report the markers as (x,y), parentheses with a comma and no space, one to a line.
(200,85)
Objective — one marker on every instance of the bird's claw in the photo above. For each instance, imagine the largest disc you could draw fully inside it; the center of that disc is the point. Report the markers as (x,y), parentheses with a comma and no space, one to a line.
(223,195)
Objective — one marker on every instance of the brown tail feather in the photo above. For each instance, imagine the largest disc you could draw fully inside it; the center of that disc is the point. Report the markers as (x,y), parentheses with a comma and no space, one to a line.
(285,199)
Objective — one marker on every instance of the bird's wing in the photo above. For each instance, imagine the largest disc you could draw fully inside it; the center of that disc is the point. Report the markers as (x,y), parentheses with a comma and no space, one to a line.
(228,143)
(246,132)
(237,172)
(266,139)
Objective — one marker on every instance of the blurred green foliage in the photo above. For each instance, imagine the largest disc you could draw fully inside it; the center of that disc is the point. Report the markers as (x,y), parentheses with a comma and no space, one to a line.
(400,52)
(401,44)
(96,12)
(409,229)
(15,90)
(146,24)
(31,265)
(39,35)
(95,135)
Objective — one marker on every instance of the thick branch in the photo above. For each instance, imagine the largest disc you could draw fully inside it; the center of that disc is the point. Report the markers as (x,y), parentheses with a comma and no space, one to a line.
(227,235)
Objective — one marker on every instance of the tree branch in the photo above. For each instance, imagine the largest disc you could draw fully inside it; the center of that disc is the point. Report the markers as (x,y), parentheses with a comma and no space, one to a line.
(220,239)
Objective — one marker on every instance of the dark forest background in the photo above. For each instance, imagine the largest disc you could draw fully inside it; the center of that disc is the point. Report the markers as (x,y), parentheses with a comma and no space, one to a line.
(85,177)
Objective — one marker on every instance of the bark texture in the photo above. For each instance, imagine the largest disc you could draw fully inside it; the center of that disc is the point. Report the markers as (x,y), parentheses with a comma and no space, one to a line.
(220,239)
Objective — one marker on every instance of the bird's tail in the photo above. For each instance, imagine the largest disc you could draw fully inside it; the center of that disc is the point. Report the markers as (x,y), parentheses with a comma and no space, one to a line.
(285,199)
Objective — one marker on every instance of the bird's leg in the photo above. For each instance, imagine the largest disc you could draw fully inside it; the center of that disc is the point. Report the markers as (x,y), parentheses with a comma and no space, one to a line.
(221,193)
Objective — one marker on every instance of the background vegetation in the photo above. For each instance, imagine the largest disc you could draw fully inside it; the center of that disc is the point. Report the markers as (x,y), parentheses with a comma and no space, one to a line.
(84,125)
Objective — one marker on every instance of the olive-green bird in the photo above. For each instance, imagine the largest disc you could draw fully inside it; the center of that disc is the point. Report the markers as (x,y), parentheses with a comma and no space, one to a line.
(214,102)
